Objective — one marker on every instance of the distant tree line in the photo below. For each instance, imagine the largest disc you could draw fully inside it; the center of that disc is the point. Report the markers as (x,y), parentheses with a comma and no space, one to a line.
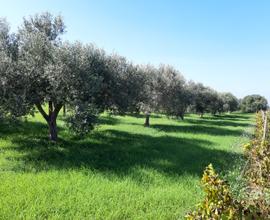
(38,70)
(253,103)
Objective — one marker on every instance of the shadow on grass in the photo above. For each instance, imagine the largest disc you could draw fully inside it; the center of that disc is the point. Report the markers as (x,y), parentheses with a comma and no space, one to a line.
(20,127)
(235,116)
(141,115)
(108,120)
(198,129)
(201,123)
(214,122)
(118,152)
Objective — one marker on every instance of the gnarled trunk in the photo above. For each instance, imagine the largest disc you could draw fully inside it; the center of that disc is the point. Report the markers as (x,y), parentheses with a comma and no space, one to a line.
(52,128)
(51,118)
(147,119)
(64,110)
(181,116)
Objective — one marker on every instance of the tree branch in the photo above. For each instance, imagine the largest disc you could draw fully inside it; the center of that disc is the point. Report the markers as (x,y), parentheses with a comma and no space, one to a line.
(50,108)
(57,109)
(42,112)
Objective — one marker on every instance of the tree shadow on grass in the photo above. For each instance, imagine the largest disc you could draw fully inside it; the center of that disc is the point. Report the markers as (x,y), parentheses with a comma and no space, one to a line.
(235,116)
(118,152)
(107,120)
(23,128)
(220,121)
(216,122)
(141,115)
(198,129)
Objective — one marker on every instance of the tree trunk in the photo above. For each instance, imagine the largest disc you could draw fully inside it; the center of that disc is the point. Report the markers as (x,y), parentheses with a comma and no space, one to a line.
(147,120)
(52,128)
(180,115)
(64,110)
(51,118)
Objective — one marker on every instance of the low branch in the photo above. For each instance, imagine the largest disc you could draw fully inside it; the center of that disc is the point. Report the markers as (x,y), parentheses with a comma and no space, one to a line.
(57,109)
(50,107)
(42,112)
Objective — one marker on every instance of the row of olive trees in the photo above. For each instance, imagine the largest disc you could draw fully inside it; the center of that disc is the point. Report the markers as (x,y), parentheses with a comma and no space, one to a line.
(38,70)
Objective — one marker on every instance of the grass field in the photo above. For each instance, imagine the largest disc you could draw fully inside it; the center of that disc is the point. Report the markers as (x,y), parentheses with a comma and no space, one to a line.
(122,170)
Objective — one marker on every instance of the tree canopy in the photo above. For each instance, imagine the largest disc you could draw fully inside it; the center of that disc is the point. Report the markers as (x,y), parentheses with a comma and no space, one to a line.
(38,70)
(253,103)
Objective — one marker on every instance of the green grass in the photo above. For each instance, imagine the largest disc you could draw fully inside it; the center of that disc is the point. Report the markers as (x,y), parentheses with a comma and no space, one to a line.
(122,170)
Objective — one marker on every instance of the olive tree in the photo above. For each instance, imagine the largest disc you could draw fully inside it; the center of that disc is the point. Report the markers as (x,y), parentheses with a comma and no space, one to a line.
(216,103)
(150,92)
(122,85)
(253,103)
(76,83)
(11,94)
(205,99)
(199,101)
(172,97)
(5,64)
(230,102)
(54,74)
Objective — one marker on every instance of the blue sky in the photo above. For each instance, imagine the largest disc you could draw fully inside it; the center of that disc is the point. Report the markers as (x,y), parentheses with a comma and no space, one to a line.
(224,44)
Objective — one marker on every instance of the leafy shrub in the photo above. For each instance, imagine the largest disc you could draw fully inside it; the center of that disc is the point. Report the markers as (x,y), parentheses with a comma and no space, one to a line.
(220,203)
(258,170)
(83,118)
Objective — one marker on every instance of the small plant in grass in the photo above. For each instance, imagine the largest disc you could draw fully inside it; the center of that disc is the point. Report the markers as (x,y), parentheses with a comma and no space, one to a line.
(219,202)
